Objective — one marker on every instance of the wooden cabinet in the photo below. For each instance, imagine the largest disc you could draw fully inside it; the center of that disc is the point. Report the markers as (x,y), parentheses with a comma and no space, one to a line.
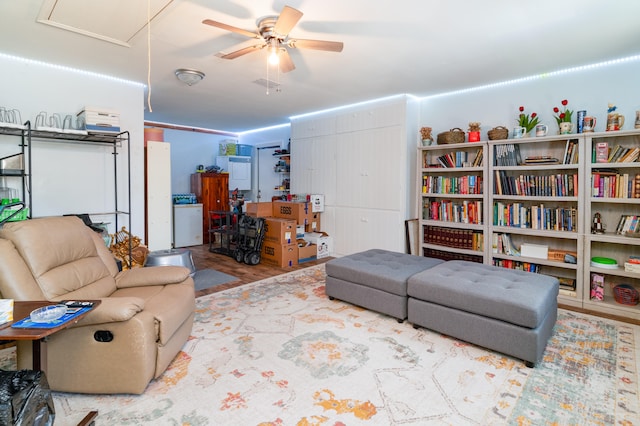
(212,190)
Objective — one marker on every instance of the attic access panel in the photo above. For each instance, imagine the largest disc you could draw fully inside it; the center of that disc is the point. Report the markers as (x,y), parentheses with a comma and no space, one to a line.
(114,21)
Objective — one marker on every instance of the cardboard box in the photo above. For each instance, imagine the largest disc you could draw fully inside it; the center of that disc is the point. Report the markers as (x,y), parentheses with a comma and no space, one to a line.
(313,223)
(292,210)
(323,242)
(317,203)
(259,209)
(278,230)
(281,255)
(306,251)
(534,250)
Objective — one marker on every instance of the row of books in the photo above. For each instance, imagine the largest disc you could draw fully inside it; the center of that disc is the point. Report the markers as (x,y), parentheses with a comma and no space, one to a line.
(516,264)
(520,215)
(611,184)
(507,155)
(552,185)
(464,211)
(571,152)
(502,244)
(456,238)
(617,154)
(470,184)
(455,159)
(628,223)
(448,255)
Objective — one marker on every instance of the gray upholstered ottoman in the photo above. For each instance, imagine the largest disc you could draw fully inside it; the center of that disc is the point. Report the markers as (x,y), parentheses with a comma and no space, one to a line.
(506,310)
(375,279)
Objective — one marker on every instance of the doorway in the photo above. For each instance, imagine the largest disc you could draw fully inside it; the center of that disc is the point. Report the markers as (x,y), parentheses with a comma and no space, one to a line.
(266,178)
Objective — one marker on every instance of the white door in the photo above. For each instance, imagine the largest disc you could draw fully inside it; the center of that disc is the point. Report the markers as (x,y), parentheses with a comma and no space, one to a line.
(267,178)
(159,202)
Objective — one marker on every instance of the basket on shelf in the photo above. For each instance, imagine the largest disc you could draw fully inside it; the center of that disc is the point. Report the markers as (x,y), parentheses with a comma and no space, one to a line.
(455,135)
(625,294)
(497,133)
(560,255)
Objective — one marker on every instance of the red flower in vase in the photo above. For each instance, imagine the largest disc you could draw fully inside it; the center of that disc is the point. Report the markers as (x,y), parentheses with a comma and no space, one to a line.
(527,121)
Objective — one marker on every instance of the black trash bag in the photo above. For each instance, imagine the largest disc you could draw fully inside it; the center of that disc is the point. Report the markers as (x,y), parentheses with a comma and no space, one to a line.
(25,399)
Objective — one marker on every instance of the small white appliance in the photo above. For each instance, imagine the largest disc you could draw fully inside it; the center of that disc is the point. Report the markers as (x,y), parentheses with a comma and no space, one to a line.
(187,225)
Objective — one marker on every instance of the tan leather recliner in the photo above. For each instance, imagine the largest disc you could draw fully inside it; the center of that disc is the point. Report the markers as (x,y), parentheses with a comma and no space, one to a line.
(148,311)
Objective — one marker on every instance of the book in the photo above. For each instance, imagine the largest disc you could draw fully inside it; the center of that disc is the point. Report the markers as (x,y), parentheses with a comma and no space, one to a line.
(602,152)
(597,287)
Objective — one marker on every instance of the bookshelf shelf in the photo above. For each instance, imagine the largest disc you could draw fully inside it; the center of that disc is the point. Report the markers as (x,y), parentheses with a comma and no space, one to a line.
(616,185)
(453,191)
(568,155)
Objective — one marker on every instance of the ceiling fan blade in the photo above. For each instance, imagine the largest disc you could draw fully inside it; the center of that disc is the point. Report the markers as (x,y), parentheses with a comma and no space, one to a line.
(331,46)
(288,18)
(241,52)
(286,64)
(231,28)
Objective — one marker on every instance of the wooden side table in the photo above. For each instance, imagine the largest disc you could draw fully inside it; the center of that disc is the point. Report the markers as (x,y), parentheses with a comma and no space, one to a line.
(38,336)
(22,309)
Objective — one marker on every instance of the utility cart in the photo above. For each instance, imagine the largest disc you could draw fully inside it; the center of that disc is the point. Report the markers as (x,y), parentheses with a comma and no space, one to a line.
(249,239)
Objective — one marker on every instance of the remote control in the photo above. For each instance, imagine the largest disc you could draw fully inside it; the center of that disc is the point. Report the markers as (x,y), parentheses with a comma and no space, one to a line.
(77,304)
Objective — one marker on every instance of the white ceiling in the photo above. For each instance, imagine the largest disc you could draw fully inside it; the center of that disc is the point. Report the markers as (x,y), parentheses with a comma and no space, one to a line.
(420,47)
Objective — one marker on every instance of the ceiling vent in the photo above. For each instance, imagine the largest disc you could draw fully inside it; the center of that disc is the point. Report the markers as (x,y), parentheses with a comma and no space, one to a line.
(115,21)
(269,84)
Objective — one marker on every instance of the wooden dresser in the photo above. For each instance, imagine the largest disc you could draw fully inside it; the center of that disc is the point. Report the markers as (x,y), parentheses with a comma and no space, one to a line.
(212,190)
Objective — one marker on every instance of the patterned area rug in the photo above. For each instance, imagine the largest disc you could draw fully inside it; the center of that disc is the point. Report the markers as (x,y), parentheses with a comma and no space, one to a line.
(279,352)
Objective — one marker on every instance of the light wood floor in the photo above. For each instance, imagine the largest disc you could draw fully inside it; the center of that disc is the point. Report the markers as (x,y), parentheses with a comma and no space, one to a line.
(203,258)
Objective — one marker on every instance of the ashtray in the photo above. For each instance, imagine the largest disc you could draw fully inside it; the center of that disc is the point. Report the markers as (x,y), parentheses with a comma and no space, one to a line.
(48,313)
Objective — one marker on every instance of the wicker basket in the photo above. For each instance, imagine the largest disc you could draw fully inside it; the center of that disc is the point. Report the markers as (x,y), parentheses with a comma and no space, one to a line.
(497,133)
(625,294)
(455,135)
(559,255)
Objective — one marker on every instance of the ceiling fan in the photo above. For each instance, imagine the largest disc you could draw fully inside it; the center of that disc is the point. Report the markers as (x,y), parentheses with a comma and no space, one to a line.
(273,33)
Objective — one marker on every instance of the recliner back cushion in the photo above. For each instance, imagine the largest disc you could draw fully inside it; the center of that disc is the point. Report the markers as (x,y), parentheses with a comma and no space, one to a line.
(62,256)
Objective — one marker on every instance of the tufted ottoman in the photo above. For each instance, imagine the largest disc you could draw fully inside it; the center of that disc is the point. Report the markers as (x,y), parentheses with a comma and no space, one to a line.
(375,279)
(505,310)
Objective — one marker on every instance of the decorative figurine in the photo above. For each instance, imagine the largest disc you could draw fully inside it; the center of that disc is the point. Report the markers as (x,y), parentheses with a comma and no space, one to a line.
(597,227)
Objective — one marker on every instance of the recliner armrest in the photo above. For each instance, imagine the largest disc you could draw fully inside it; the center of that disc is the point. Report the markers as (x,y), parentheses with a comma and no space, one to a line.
(115,309)
(152,275)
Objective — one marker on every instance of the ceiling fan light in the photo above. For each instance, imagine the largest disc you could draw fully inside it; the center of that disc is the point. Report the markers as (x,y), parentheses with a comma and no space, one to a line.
(189,76)
(274,59)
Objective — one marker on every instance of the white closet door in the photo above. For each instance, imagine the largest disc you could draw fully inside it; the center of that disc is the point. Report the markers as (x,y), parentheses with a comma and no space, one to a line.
(370,170)
(159,203)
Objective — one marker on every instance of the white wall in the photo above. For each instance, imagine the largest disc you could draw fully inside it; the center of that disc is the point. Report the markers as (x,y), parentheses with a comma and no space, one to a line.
(188,150)
(590,90)
(73,178)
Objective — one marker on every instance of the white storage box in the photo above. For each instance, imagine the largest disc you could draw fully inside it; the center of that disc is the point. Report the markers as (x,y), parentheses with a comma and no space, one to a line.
(100,120)
(323,241)
(534,250)
(317,203)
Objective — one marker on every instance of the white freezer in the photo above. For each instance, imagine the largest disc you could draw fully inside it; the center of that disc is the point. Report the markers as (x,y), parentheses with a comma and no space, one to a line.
(187,225)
